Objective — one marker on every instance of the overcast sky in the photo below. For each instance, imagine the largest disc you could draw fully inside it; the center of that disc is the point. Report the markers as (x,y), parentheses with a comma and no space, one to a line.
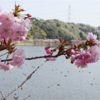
(76,11)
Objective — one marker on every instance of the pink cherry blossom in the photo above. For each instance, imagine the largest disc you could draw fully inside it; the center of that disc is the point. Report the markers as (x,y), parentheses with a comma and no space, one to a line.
(76,52)
(48,50)
(5,67)
(7,18)
(92,38)
(5,31)
(20,29)
(72,59)
(95,53)
(50,58)
(23,37)
(19,65)
(72,51)
(47,47)
(14,28)
(83,59)
(18,33)
(29,16)
(80,63)
(18,58)
(26,24)
(19,55)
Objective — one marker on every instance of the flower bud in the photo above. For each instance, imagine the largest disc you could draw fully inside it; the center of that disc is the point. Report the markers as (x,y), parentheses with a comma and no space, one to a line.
(72,51)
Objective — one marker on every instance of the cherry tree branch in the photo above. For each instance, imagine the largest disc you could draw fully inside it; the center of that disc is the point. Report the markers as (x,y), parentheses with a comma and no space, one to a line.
(33,58)
(23,81)
(26,97)
(2,95)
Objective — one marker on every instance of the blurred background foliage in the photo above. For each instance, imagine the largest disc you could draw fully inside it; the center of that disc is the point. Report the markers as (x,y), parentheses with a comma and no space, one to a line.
(52,29)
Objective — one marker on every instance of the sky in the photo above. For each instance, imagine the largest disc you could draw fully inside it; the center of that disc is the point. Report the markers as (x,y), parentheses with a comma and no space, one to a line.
(76,11)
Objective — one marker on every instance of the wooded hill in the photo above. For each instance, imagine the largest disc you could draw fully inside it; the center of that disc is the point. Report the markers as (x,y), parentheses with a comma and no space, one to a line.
(52,29)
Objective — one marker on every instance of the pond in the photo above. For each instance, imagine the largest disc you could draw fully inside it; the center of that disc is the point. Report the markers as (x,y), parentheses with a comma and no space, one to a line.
(55,80)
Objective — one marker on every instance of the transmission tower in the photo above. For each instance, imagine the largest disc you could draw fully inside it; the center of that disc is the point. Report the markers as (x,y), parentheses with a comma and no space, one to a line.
(69,14)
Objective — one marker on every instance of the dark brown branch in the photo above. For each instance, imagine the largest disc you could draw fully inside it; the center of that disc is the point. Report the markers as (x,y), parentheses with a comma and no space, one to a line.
(24,80)
(33,58)
(55,56)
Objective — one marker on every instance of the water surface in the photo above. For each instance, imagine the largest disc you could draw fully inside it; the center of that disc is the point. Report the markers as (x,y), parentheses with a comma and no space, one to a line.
(57,80)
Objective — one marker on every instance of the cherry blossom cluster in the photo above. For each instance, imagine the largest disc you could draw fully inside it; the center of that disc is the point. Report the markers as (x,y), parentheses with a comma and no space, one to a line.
(81,54)
(49,52)
(18,58)
(13,28)
(91,54)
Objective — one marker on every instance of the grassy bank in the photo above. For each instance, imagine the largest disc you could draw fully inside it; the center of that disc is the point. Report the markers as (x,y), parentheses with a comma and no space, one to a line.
(37,43)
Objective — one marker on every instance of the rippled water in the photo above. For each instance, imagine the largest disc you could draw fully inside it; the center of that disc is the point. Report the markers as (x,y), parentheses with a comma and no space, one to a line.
(57,80)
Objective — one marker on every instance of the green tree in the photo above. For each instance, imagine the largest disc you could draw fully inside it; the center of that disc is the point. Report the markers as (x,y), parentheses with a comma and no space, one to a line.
(43,34)
(82,36)
(29,36)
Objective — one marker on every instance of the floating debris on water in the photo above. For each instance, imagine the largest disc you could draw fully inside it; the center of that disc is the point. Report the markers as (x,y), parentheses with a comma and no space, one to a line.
(58,84)
(4,78)
(24,84)
(24,74)
(21,88)
(65,75)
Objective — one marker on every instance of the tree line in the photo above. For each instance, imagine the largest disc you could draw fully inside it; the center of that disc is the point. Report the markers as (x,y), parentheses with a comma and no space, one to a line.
(52,29)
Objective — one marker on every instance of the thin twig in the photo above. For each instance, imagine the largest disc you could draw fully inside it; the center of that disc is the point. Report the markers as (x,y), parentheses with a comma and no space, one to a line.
(26,97)
(2,95)
(24,80)
(4,54)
